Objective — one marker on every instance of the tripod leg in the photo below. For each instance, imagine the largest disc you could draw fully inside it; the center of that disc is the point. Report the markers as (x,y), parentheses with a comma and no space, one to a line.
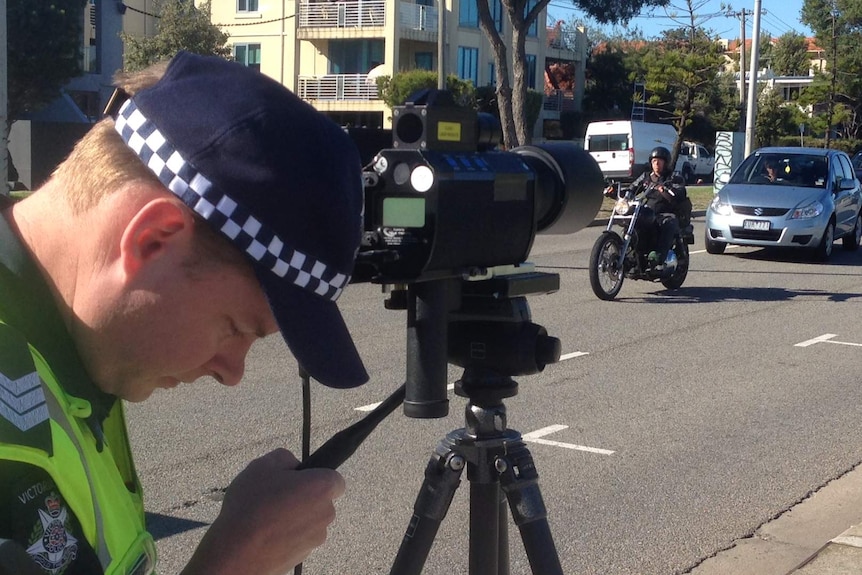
(442,477)
(520,482)
(487,515)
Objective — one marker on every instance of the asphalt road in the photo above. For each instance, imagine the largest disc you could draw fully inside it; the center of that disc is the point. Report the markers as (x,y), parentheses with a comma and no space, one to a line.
(703,416)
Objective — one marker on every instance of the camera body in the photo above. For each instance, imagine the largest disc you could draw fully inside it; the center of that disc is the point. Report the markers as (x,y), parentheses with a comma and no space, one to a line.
(442,202)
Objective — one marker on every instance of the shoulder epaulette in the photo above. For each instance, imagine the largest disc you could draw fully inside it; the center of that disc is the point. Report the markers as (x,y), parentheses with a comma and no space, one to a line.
(24,418)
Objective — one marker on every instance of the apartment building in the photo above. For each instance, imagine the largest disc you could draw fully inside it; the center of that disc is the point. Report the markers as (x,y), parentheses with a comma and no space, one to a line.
(330,52)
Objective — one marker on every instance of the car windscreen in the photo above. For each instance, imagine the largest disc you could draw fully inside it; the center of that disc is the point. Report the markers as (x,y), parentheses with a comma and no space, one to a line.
(801,170)
(608,143)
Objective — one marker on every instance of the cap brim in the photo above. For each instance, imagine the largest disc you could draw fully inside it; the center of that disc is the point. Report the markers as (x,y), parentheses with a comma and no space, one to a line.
(315,332)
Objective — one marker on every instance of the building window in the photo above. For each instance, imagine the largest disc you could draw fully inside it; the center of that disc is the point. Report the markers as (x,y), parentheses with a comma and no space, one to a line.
(247,55)
(424,61)
(468,64)
(534,27)
(354,56)
(468,14)
(496,7)
(531,71)
(246,5)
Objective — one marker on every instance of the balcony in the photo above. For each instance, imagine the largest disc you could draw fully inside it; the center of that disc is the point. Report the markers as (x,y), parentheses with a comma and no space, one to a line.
(338,87)
(359,14)
(559,101)
(415,20)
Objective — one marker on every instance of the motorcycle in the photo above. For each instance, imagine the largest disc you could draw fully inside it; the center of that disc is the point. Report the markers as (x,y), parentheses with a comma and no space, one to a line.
(616,256)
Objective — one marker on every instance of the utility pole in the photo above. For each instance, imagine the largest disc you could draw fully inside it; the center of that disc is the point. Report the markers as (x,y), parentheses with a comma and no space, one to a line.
(752,85)
(833,65)
(441,48)
(741,15)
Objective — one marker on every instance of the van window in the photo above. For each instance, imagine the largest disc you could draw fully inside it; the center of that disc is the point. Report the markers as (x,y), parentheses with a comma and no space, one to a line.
(609,143)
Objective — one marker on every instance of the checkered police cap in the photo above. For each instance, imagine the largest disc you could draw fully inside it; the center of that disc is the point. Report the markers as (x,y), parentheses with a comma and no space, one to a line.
(275,177)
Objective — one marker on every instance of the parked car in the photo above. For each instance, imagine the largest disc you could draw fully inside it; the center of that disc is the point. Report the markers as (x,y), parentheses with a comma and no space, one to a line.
(856,160)
(812,199)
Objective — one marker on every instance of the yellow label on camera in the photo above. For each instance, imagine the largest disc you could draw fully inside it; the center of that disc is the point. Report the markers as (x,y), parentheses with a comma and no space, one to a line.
(449,131)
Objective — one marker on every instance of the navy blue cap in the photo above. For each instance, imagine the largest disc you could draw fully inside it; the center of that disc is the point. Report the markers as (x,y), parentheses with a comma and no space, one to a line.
(280,180)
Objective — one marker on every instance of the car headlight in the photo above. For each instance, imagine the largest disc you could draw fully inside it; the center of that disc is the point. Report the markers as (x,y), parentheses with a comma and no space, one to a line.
(812,210)
(720,207)
(622,207)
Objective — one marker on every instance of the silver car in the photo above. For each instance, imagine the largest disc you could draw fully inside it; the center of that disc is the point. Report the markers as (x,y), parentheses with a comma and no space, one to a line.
(788,197)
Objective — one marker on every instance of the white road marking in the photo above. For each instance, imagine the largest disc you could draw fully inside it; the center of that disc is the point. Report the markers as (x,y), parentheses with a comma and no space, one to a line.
(536,437)
(820,339)
(572,355)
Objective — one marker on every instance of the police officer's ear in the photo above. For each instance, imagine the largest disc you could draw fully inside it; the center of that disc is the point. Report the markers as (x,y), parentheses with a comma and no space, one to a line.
(163,227)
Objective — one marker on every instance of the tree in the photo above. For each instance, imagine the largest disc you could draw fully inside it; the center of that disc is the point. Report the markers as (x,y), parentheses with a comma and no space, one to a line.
(608,93)
(837,25)
(395,90)
(512,98)
(44,51)
(182,26)
(774,119)
(679,72)
(790,55)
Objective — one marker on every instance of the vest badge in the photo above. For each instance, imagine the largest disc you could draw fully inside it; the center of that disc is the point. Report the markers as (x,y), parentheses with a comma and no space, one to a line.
(52,545)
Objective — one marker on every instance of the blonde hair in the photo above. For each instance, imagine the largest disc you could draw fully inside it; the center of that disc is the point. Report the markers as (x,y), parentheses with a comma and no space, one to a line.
(101,163)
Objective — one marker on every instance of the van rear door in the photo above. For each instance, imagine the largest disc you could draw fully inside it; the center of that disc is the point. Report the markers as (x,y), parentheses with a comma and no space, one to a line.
(612,152)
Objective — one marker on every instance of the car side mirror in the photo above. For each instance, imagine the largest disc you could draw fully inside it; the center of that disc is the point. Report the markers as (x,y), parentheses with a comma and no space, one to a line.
(847,184)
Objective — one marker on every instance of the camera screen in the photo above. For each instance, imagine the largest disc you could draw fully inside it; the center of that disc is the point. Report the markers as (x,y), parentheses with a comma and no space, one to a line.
(404,212)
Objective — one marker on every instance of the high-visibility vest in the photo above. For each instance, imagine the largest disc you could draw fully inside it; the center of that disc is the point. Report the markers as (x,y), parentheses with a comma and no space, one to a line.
(49,430)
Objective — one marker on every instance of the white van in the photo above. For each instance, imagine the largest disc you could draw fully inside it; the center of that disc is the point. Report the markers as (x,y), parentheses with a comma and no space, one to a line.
(622,147)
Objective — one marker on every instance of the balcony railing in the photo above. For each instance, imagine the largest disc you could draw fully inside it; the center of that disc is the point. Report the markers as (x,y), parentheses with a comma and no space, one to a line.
(416,17)
(559,101)
(565,40)
(359,14)
(338,87)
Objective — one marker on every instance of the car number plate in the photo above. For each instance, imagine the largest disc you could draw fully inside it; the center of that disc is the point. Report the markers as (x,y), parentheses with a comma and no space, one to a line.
(758,225)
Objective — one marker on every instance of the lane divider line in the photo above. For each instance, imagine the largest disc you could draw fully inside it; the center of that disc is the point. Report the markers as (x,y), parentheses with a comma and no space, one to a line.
(536,437)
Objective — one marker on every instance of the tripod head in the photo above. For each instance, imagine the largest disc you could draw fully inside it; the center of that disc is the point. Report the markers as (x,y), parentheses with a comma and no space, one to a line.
(480,324)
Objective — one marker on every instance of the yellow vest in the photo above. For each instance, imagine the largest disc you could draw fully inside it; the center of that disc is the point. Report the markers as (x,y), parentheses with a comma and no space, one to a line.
(100,487)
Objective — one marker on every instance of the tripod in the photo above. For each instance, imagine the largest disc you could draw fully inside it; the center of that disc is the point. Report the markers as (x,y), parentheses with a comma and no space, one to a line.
(497,461)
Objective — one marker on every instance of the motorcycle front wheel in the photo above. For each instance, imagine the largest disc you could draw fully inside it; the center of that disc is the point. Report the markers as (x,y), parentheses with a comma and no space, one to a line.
(676,280)
(606,273)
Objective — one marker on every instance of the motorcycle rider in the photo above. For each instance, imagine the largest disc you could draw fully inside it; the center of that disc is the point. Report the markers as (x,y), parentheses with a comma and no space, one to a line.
(667,198)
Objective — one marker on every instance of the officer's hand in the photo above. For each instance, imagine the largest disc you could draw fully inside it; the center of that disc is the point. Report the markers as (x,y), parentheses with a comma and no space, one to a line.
(272,518)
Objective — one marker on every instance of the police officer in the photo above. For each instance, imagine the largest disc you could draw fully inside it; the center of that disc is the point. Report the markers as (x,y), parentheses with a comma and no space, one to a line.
(214,208)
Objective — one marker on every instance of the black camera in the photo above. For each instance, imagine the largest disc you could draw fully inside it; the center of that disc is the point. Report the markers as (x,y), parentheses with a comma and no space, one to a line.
(449,223)
(442,202)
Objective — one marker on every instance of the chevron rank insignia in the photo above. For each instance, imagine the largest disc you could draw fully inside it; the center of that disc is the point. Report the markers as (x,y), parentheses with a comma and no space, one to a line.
(24,418)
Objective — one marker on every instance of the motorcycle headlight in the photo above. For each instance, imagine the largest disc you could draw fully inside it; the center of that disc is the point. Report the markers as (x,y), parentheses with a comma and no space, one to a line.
(622,207)
(720,207)
(812,210)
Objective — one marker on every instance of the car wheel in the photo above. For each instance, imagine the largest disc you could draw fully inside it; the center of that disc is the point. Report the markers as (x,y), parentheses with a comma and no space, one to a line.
(824,250)
(712,246)
(852,240)
(687,175)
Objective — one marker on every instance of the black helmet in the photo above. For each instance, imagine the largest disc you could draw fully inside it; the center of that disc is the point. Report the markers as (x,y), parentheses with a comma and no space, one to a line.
(660,152)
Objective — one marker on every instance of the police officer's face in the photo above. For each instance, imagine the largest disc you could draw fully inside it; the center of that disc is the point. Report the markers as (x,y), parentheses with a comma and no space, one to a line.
(157,307)
(198,324)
